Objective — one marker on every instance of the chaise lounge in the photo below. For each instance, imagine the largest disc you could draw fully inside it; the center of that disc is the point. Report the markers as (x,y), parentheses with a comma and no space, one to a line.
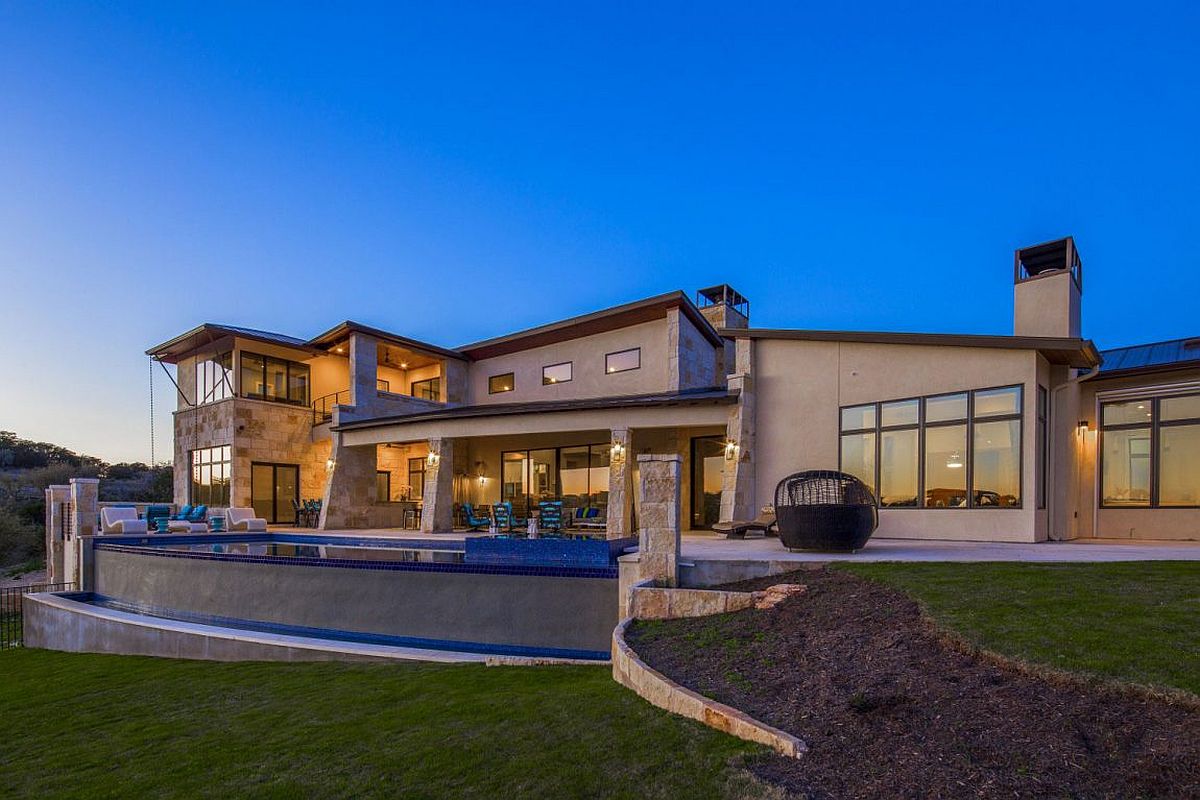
(737,529)
(121,519)
(243,520)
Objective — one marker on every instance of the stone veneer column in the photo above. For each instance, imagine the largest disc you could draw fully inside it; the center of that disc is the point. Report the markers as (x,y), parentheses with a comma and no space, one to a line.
(737,483)
(658,516)
(437,501)
(83,523)
(364,372)
(57,499)
(620,486)
(350,490)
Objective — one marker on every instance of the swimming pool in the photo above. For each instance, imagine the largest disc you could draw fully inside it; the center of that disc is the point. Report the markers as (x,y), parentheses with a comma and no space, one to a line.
(540,598)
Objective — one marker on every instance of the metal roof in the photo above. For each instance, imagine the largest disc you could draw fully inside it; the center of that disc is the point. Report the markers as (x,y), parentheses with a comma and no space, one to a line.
(1153,357)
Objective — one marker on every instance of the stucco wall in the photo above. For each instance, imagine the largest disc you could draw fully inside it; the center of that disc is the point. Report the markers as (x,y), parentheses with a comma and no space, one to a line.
(801,385)
(588,377)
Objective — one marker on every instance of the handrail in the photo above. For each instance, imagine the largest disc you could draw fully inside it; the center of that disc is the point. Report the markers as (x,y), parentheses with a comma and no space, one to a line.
(322,407)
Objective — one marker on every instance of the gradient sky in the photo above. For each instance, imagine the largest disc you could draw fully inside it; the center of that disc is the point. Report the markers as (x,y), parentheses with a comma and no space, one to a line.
(457,172)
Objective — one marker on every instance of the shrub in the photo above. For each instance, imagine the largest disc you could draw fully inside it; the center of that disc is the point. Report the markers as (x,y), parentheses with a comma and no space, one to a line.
(20,540)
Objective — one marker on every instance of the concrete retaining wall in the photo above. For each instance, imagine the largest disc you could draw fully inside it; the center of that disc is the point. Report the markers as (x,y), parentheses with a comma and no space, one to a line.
(521,610)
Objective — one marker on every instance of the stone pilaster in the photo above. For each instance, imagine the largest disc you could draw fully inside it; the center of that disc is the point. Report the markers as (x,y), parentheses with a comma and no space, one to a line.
(454,382)
(620,485)
(737,484)
(82,524)
(350,490)
(658,517)
(437,510)
(364,372)
(58,499)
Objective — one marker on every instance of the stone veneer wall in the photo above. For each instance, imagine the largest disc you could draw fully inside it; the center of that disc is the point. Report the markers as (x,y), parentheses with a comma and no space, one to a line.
(258,431)
(691,359)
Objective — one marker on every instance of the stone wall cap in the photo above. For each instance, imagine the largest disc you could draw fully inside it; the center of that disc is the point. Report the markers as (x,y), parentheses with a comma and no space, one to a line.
(642,457)
(85,480)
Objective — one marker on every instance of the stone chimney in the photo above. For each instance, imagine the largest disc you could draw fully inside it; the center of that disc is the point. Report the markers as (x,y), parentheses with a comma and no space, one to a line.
(723,307)
(1047,291)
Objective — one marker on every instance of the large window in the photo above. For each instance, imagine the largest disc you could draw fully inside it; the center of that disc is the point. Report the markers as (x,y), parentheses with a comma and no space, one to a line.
(960,450)
(214,378)
(578,475)
(275,379)
(210,476)
(1150,452)
(428,389)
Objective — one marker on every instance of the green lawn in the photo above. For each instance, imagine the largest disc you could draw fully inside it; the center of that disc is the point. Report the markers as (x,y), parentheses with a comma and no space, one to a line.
(106,726)
(1137,622)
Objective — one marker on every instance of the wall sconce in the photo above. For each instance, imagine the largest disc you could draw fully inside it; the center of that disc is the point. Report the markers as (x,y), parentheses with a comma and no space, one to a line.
(329,464)
(482,480)
(618,452)
(1083,428)
(731,449)
(432,459)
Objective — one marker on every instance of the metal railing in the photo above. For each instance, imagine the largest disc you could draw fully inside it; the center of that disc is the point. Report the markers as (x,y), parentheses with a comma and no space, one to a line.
(11,604)
(322,407)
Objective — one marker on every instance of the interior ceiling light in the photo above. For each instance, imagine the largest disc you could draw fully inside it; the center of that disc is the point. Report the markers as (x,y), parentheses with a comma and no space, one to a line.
(954,461)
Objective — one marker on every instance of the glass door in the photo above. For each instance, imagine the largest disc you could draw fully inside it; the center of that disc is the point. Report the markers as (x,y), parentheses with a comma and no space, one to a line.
(708,472)
(273,488)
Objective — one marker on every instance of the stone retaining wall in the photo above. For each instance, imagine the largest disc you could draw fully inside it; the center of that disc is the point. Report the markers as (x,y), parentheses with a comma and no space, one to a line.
(659,690)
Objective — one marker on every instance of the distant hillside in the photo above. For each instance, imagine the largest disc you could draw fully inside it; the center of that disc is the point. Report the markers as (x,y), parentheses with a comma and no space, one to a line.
(28,467)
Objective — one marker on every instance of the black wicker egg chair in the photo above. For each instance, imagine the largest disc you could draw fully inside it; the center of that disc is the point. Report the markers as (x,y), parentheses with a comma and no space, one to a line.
(825,510)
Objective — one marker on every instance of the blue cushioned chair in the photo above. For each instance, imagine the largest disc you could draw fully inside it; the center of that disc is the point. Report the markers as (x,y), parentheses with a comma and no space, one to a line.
(199,514)
(157,516)
(475,522)
(550,515)
(506,520)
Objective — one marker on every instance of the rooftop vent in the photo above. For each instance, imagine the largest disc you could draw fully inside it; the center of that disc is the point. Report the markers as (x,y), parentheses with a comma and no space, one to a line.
(1030,262)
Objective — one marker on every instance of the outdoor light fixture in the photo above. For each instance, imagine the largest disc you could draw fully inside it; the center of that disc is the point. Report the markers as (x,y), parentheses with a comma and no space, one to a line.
(730,450)
(432,459)
(329,464)
(482,480)
(1083,426)
(954,461)
(403,365)
(618,452)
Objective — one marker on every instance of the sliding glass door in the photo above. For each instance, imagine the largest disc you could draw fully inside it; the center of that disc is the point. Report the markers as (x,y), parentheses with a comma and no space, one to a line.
(273,489)
(708,473)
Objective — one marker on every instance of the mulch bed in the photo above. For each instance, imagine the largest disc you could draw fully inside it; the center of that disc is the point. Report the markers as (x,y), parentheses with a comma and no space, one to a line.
(889,708)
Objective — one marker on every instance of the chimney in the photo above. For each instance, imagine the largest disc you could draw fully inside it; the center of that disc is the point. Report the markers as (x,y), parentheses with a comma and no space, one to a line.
(723,307)
(1048,288)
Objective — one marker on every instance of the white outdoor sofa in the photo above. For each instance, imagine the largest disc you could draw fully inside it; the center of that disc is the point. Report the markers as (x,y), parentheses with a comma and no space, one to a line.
(118,519)
(243,519)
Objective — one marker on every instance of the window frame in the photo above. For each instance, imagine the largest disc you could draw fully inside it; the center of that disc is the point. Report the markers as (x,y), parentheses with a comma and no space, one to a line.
(512,381)
(570,365)
(607,356)
(968,456)
(387,482)
(1041,443)
(434,383)
(287,380)
(416,490)
(194,465)
(1156,425)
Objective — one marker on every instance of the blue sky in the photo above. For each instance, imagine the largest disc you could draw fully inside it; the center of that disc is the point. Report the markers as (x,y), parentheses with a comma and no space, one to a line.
(453,172)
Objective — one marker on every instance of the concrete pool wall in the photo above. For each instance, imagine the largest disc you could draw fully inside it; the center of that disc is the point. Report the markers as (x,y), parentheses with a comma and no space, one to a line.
(530,608)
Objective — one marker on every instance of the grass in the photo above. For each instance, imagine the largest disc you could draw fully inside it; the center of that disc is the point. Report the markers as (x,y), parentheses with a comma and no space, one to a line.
(1133,621)
(106,726)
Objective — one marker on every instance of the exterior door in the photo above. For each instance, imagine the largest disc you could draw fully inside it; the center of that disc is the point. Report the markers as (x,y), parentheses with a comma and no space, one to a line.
(273,488)
(708,472)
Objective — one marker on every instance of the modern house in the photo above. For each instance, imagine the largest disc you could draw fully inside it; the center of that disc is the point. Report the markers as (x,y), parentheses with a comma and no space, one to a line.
(1026,437)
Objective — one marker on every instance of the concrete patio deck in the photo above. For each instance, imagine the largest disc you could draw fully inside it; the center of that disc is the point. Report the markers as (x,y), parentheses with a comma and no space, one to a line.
(705,546)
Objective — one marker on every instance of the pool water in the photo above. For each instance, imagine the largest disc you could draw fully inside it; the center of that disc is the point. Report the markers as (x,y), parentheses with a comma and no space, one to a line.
(333,550)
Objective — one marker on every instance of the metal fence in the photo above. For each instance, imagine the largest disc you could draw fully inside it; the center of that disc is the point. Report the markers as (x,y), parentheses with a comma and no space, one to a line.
(11,603)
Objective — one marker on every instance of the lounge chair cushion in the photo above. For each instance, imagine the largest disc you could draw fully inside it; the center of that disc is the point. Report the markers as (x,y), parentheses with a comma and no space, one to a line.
(243,519)
(121,519)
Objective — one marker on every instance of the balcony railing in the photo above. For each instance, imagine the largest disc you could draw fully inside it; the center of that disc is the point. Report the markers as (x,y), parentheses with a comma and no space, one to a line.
(322,407)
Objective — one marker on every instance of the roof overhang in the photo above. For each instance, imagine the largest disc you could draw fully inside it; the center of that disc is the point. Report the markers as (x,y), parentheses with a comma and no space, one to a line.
(343,330)
(609,319)
(1071,352)
(710,396)
(208,336)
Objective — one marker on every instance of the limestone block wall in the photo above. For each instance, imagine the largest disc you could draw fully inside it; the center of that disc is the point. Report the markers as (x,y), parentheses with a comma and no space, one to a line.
(691,359)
